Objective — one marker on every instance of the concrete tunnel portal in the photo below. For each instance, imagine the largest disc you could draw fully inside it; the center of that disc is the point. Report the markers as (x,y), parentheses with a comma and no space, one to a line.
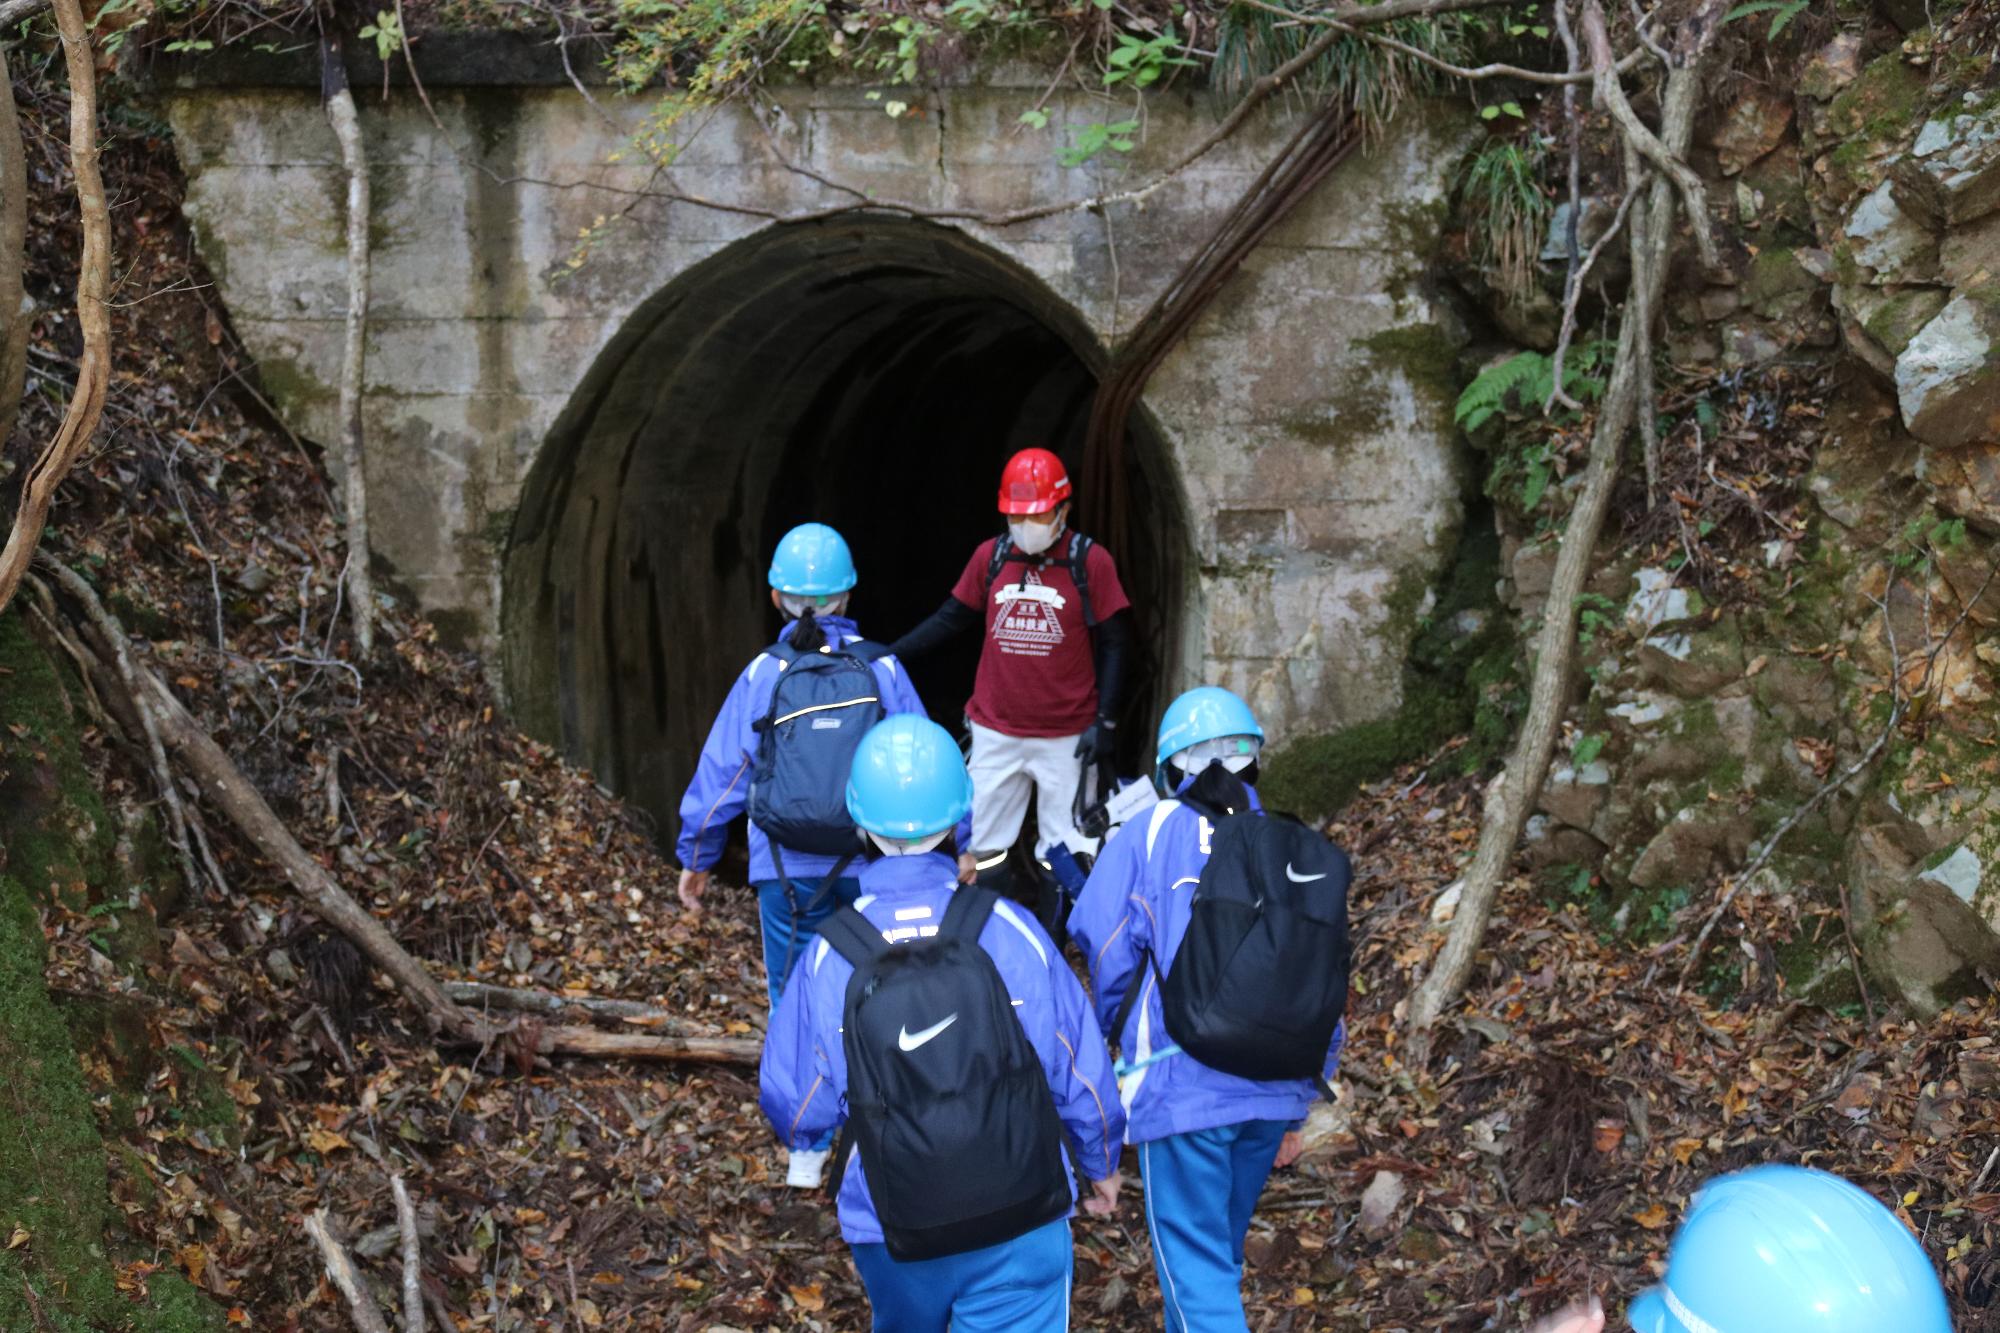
(869,373)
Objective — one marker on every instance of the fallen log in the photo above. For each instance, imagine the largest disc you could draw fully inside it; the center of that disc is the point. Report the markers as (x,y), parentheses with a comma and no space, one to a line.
(480,994)
(646,1046)
(340,1267)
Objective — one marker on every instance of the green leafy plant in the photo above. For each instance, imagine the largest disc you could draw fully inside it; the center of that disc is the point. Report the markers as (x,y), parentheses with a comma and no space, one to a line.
(386,32)
(1782,12)
(1090,140)
(1595,613)
(1495,110)
(1375,80)
(1587,748)
(1141,61)
(1506,210)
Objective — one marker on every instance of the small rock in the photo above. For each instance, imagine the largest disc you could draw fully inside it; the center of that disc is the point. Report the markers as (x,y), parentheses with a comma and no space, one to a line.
(1958,159)
(1446,906)
(1966,482)
(1958,872)
(1574,794)
(1683,851)
(1947,380)
(1750,128)
(1592,217)
(1656,601)
(1379,1202)
(1832,67)
(1888,240)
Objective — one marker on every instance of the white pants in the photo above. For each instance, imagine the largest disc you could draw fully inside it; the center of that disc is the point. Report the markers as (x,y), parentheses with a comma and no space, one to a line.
(1004,768)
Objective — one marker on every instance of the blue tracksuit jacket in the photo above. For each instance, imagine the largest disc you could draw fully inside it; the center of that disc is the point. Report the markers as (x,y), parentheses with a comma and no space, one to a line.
(804,1071)
(722,779)
(1138,897)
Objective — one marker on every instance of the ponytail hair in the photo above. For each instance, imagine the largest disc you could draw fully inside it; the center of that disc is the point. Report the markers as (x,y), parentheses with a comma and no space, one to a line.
(807,636)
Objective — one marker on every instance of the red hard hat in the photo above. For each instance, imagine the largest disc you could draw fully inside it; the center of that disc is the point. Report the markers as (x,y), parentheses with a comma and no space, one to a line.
(1033,482)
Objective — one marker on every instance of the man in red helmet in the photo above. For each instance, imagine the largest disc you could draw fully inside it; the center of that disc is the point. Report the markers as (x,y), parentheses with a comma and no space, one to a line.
(1045,700)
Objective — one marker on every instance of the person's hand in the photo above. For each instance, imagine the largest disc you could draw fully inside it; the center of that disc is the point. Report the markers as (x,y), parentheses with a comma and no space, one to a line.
(1577,1319)
(1289,1148)
(693,884)
(1096,743)
(968,867)
(1103,1200)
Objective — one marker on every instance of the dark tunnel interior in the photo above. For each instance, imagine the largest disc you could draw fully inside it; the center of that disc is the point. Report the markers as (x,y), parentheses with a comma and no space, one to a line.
(870,374)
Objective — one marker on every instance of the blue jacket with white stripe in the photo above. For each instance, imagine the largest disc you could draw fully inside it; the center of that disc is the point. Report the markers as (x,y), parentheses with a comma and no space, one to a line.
(721,782)
(804,1070)
(1137,899)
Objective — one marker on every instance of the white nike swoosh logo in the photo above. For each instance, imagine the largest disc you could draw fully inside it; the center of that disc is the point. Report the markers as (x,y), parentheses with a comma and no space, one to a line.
(1296,878)
(909,1041)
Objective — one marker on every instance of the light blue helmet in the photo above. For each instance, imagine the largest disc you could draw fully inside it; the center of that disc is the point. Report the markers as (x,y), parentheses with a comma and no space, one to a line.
(1204,713)
(812,561)
(1785,1249)
(908,779)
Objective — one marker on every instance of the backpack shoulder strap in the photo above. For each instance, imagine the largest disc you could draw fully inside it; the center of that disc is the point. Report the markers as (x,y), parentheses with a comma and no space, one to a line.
(1003,551)
(1079,574)
(852,937)
(965,916)
(866,649)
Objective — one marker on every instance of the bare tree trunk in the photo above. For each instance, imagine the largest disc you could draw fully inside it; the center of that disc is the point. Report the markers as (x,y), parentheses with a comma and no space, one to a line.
(1555,644)
(93,279)
(13,258)
(341,114)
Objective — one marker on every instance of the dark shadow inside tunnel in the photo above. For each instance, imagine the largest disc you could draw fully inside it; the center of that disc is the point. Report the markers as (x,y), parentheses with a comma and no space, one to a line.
(868,373)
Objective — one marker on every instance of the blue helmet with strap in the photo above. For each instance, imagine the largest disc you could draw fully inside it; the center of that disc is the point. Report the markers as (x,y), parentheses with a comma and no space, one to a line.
(1785,1249)
(1204,713)
(908,779)
(812,560)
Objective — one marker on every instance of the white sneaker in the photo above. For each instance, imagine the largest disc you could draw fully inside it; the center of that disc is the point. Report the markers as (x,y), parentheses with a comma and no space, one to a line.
(804,1167)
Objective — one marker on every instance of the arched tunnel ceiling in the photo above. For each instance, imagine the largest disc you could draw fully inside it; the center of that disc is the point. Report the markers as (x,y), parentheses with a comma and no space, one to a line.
(868,373)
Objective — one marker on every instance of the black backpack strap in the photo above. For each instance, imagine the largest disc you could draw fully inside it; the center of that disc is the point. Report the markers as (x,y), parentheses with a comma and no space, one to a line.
(1131,999)
(866,649)
(1079,574)
(850,935)
(1003,551)
(965,916)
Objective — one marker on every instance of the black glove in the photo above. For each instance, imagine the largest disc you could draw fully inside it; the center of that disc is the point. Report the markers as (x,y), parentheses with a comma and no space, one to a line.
(1097,743)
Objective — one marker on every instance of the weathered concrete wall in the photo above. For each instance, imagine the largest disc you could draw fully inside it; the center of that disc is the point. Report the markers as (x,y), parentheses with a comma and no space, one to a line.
(1305,414)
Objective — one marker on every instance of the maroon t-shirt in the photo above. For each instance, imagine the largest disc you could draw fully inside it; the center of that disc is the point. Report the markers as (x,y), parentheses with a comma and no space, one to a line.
(1036,676)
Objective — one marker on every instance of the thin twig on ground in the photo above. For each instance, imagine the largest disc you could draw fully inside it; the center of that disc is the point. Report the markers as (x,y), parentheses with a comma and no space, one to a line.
(340,1267)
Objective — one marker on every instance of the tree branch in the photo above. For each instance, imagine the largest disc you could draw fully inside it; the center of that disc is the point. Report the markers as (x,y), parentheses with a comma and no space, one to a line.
(13,258)
(367,1315)
(1473,73)
(413,1258)
(1611,92)
(346,122)
(93,278)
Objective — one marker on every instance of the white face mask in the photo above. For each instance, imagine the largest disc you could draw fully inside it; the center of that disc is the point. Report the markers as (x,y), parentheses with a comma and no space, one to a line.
(1033,538)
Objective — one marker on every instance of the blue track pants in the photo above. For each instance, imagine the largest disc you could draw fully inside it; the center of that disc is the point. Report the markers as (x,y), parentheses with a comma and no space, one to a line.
(783,949)
(1201,1188)
(1021,1286)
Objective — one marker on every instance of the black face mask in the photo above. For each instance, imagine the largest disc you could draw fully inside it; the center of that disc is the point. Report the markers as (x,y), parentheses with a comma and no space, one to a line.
(1175,775)
(1216,788)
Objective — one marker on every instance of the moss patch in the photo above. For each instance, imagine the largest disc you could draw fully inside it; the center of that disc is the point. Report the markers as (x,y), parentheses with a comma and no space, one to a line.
(55,836)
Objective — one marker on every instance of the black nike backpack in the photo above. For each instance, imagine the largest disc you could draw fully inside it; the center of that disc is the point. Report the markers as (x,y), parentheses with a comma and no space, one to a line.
(1260,981)
(823,704)
(946,1098)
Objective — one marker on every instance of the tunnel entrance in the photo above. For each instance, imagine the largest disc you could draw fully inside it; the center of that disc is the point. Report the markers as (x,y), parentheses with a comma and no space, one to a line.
(869,373)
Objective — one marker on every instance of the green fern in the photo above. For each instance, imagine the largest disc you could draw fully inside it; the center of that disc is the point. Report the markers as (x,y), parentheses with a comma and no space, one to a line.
(1487,395)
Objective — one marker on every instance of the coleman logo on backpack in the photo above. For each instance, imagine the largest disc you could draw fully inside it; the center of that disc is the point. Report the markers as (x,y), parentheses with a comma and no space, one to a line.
(946,1098)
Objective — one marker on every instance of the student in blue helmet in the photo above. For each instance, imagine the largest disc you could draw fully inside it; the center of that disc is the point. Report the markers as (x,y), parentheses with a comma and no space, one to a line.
(1207,1140)
(811,576)
(957,1055)
(1786,1249)
(1783,1249)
